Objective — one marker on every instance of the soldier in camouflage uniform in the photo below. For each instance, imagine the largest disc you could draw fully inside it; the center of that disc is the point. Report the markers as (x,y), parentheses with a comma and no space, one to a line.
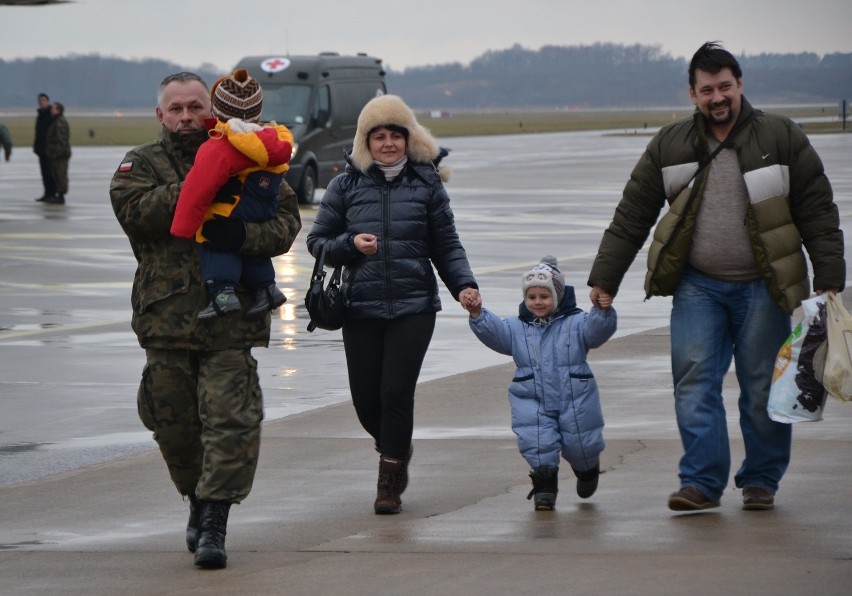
(200,393)
(58,147)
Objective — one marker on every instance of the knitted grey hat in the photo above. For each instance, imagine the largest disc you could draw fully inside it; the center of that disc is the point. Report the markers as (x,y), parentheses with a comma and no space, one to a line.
(545,275)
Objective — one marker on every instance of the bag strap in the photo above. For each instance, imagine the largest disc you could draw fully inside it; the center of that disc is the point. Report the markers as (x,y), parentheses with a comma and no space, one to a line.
(319,264)
(335,276)
(727,142)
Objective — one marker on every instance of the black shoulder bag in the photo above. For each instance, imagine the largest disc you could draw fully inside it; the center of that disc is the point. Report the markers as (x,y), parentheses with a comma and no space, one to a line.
(324,303)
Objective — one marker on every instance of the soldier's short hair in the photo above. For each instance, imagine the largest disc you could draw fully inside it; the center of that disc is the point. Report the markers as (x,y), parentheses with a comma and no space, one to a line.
(178,77)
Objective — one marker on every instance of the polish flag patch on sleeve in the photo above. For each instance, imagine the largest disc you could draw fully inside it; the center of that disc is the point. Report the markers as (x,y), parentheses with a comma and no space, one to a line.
(126,166)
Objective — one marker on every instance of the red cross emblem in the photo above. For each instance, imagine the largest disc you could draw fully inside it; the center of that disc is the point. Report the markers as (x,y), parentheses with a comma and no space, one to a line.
(274,64)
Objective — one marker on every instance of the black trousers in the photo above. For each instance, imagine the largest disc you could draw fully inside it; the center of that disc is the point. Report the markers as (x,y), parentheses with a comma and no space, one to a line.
(383,358)
(46,168)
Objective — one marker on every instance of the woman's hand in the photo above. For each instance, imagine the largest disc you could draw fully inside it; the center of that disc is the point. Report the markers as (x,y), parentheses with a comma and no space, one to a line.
(471,301)
(366,244)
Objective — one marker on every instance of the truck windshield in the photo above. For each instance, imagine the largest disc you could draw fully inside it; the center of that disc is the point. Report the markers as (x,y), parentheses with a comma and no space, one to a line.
(286,104)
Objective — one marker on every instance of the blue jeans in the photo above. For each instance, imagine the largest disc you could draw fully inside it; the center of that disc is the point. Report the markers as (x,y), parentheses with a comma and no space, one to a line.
(711,322)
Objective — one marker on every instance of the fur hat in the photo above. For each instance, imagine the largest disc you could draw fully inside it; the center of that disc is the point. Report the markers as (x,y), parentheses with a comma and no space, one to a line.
(385,110)
(545,275)
(237,96)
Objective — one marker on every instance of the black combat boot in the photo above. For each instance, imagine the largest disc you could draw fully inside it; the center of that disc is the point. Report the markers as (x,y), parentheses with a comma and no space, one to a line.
(211,543)
(587,481)
(387,490)
(545,486)
(193,526)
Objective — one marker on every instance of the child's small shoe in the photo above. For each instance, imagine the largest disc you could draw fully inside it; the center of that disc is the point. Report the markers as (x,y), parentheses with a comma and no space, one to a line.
(545,487)
(223,303)
(587,482)
(265,300)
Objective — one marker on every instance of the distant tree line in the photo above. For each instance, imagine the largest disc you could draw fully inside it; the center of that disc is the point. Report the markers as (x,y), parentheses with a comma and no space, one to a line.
(601,75)
(612,75)
(88,82)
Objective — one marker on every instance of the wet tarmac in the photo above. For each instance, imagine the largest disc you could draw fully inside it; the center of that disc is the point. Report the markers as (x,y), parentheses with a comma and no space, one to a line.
(466,527)
(70,366)
(70,363)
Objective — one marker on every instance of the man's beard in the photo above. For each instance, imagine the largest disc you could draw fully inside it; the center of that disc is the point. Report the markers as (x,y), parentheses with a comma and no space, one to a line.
(718,121)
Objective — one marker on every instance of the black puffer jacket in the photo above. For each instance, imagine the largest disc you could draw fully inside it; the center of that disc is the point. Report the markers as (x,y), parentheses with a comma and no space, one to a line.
(411,217)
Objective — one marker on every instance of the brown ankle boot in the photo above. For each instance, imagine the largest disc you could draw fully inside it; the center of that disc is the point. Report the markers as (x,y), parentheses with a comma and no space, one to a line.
(387,490)
(403,472)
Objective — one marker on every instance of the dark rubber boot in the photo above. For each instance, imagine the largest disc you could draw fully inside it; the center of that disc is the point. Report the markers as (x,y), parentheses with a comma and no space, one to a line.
(545,487)
(387,489)
(210,553)
(587,482)
(193,526)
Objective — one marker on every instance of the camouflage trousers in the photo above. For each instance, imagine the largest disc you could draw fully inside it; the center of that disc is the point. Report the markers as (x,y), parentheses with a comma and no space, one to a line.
(60,175)
(205,410)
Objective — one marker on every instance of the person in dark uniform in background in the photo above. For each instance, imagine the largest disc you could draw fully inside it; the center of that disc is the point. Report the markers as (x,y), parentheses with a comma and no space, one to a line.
(5,141)
(43,120)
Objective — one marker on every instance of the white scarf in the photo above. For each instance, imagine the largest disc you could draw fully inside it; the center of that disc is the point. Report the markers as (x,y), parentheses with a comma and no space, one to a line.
(391,171)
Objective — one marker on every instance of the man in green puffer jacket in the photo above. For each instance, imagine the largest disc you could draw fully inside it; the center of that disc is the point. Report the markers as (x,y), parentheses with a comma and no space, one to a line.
(200,393)
(729,251)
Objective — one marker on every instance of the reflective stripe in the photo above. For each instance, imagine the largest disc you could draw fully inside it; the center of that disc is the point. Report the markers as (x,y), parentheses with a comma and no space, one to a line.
(676,178)
(768,182)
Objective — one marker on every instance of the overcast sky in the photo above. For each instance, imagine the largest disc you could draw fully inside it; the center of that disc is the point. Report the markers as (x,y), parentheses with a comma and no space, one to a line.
(407,33)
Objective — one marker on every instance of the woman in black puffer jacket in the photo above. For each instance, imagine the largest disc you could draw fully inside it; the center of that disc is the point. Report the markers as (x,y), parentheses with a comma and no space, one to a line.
(387,221)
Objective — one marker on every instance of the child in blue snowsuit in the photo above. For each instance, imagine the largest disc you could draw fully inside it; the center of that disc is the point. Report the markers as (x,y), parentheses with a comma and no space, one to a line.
(556,409)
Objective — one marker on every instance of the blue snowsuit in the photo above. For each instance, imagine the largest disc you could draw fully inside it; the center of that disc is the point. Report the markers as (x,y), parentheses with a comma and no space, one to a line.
(554,397)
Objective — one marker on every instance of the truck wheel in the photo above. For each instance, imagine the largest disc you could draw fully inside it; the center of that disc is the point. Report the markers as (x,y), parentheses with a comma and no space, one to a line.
(308,186)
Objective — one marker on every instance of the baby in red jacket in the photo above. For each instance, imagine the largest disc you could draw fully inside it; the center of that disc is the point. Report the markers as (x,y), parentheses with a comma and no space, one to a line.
(237,175)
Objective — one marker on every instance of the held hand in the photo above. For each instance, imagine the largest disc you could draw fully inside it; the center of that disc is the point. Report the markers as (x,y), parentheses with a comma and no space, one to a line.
(471,300)
(600,298)
(366,244)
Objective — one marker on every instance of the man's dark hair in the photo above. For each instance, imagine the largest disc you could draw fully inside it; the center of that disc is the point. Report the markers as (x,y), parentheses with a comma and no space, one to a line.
(712,57)
(44,95)
(178,77)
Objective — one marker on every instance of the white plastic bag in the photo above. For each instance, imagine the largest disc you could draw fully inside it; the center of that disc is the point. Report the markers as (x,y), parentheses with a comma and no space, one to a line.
(837,376)
(797,394)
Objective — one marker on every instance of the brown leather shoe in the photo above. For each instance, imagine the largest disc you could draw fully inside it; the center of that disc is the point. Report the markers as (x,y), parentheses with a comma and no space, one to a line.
(690,498)
(757,499)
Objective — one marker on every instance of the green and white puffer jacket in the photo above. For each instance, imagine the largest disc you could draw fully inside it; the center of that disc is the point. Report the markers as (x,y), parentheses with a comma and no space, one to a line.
(790,204)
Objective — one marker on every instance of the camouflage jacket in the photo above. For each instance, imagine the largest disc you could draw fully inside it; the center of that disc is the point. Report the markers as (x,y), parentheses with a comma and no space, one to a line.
(58,139)
(168,288)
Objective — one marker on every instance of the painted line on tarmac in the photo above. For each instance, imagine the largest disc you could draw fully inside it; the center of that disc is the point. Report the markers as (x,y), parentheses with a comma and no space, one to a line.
(526,265)
(8,335)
